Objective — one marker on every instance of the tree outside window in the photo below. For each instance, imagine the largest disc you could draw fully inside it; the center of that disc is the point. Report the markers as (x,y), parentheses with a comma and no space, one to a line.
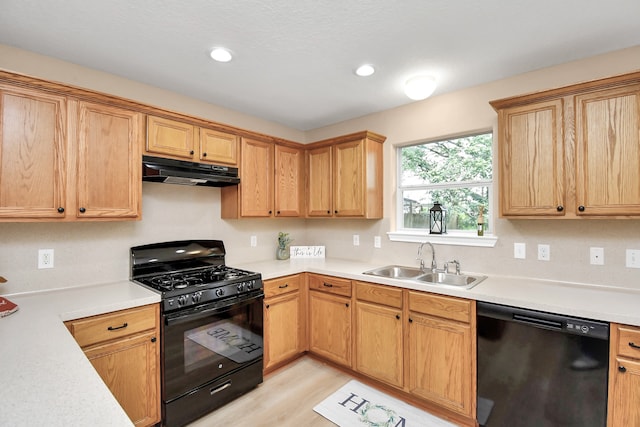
(455,172)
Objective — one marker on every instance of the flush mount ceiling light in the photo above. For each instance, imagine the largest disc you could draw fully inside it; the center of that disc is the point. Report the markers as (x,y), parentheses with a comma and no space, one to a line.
(220,54)
(420,87)
(365,70)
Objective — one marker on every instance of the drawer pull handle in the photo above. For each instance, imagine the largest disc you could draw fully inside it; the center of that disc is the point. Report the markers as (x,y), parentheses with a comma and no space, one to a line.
(220,388)
(115,328)
(328,285)
(286,285)
(633,345)
(622,369)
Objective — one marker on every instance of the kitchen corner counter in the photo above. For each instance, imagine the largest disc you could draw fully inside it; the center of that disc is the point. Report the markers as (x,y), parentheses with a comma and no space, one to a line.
(605,303)
(46,378)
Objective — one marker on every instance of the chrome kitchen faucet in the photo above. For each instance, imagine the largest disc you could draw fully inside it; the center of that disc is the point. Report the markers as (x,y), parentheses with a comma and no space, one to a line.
(434,266)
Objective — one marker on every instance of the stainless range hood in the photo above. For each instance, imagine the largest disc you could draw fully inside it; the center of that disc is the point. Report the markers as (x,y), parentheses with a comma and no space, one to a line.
(169,171)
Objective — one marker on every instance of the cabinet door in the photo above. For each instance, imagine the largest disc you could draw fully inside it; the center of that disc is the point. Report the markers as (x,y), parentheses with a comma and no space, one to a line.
(282,325)
(608,152)
(256,178)
(319,182)
(531,152)
(289,181)
(440,362)
(129,367)
(109,183)
(378,334)
(32,154)
(218,147)
(170,137)
(349,186)
(330,327)
(624,393)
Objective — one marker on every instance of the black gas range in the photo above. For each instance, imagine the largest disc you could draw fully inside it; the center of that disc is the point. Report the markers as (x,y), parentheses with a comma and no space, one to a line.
(211,325)
(190,272)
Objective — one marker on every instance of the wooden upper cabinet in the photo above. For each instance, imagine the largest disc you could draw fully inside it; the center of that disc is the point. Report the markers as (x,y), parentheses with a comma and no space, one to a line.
(531,153)
(571,152)
(170,137)
(184,141)
(33,154)
(608,152)
(289,180)
(350,184)
(108,176)
(319,182)
(218,147)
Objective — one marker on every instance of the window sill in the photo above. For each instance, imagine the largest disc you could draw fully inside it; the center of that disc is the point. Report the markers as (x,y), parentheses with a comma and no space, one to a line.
(453,239)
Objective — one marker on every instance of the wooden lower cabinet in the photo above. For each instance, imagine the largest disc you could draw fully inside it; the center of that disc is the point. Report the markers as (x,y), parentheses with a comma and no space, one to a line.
(284,323)
(379,351)
(330,319)
(442,351)
(624,377)
(123,347)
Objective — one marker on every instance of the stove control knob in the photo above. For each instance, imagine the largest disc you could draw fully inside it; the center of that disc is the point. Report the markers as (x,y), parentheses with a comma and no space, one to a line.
(250,285)
(196,297)
(219,292)
(240,287)
(182,300)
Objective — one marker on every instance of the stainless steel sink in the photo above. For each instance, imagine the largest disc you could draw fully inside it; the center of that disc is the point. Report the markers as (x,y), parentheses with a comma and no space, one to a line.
(457,280)
(396,272)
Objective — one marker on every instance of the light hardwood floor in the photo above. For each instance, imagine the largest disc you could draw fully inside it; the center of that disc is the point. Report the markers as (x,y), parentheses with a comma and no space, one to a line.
(285,399)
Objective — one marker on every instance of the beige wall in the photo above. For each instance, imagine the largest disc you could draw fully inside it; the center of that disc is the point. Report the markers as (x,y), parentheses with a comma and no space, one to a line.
(98,252)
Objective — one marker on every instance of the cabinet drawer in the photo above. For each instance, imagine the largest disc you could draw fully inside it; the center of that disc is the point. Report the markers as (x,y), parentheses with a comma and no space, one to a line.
(629,341)
(281,285)
(379,294)
(441,306)
(330,284)
(92,330)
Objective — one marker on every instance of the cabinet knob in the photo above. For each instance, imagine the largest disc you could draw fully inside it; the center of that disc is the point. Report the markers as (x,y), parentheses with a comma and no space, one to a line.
(82,210)
(398,316)
(560,208)
(581,208)
(328,212)
(204,154)
(277,212)
(622,368)
(60,210)
(267,306)
(346,304)
(153,339)
(192,152)
(335,211)
(270,212)
(410,320)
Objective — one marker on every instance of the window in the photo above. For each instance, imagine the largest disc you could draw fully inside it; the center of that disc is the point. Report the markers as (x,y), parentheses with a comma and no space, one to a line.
(454,172)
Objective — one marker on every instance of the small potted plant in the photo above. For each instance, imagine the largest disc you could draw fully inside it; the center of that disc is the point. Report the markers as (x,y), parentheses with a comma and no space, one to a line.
(283,245)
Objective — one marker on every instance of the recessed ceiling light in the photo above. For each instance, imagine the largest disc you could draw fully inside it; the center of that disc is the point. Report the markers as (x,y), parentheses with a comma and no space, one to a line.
(365,70)
(420,87)
(220,54)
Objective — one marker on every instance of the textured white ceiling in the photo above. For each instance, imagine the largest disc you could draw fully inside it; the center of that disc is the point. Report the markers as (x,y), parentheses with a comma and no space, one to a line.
(294,59)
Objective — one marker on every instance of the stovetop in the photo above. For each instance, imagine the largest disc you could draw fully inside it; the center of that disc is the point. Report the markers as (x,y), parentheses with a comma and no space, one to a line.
(190,272)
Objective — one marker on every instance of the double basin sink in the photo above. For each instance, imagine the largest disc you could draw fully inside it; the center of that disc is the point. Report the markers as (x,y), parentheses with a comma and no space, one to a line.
(461,281)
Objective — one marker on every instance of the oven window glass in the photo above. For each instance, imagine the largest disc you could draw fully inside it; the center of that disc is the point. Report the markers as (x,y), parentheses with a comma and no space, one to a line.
(199,348)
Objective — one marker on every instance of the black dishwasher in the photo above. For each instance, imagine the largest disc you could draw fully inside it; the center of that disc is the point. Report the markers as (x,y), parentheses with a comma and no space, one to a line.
(538,369)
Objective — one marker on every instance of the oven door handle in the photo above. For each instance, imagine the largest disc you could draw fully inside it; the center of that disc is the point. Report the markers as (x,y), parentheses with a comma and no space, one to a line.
(204,311)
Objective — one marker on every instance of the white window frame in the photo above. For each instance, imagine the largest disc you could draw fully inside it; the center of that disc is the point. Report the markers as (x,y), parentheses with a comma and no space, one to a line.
(454,237)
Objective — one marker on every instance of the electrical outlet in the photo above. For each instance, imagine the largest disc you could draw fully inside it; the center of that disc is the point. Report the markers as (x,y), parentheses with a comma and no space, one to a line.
(519,250)
(596,256)
(356,240)
(45,258)
(254,241)
(633,258)
(544,252)
(377,243)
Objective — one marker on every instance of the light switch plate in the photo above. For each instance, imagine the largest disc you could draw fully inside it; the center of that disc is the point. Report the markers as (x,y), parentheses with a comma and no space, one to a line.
(356,240)
(519,250)
(596,256)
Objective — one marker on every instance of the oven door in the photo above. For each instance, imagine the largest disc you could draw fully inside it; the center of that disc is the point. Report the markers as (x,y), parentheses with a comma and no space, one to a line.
(203,343)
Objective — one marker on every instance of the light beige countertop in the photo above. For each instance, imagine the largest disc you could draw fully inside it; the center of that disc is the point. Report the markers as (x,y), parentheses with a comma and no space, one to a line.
(47,380)
(606,303)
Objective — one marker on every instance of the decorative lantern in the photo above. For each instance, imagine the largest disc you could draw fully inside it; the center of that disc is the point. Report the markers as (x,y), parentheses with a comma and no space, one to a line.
(437,219)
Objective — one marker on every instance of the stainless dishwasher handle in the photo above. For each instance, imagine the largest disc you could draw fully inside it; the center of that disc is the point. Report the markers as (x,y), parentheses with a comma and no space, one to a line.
(220,388)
